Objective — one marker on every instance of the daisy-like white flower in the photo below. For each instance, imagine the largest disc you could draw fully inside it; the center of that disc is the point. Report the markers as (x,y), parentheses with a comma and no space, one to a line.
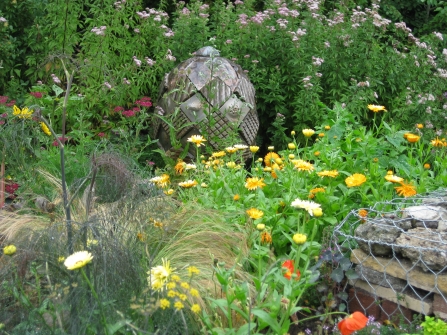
(253,183)
(376,108)
(188,183)
(161,181)
(197,140)
(240,146)
(190,167)
(159,275)
(309,206)
(78,260)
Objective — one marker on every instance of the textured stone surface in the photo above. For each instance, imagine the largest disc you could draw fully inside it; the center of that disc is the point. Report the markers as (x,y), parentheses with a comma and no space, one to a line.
(377,236)
(402,269)
(427,216)
(440,306)
(362,301)
(380,278)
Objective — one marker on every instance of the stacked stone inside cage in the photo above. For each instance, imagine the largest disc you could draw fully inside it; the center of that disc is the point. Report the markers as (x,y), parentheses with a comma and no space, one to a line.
(399,253)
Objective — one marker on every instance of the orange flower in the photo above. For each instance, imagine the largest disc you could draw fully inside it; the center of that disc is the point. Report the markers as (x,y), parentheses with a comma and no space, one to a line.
(270,158)
(353,322)
(419,126)
(179,167)
(289,265)
(356,179)
(266,237)
(412,138)
(253,183)
(438,143)
(406,190)
(236,197)
(363,213)
(315,190)
(426,166)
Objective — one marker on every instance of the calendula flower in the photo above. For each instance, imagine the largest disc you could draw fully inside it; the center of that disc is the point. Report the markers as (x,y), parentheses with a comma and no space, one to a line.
(291,146)
(159,275)
(309,206)
(231,150)
(236,197)
(161,181)
(352,323)
(308,132)
(317,212)
(301,165)
(313,191)
(169,192)
(406,190)
(321,135)
(438,143)
(164,303)
(179,167)
(363,213)
(412,138)
(254,148)
(231,165)
(426,166)
(326,173)
(188,183)
(376,108)
(9,250)
(289,267)
(195,308)
(255,213)
(299,238)
(45,129)
(356,179)
(260,226)
(178,305)
(190,167)
(271,148)
(419,126)
(393,179)
(197,140)
(240,146)
(266,237)
(24,113)
(327,127)
(254,183)
(269,159)
(218,154)
(316,153)
(78,260)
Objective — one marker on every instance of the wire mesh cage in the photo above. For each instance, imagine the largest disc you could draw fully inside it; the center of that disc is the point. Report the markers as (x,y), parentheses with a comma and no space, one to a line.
(398,251)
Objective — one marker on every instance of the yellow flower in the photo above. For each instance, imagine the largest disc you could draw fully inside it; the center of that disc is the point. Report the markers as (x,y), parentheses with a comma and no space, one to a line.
(301,165)
(419,126)
(327,127)
(270,158)
(299,238)
(253,183)
(356,179)
(393,178)
(194,293)
(182,296)
(406,190)
(309,206)
(193,270)
(231,150)
(326,173)
(171,285)
(197,140)
(164,303)
(438,143)
(321,135)
(389,172)
(45,129)
(236,197)
(317,153)
(195,308)
(185,285)
(255,213)
(412,138)
(159,275)
(171,293)
(375,160)
(175,278)
(179,167)
(313,191)
(161,181)
(260,226)
(317,212)
(91,242)
(231,165)
(266,237)
(78,260)
(291,156)
(25,113)
(188,183)
(363,213)
(376,108)
(271,148)
(308,132)
(178,305)
(218,154)
(291,146)
(292,133)
(426,166)
(169,192)
(60,259)
(10,250)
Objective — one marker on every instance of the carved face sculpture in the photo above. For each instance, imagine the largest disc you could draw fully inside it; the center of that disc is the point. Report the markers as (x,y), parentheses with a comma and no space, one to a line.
(210,96)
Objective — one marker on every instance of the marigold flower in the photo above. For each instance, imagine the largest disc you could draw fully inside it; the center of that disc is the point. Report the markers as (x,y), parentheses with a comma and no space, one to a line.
(412,138)
(78,260)
(160,274)
(438,143)
(197,140)
(419,126)
(218,154)
(406,190)
(353,322)
(394,179)
(301,165)
(299,238)
(309,206)
(376,108)
(188,183)
(254,148)
(356,179)
(253,183)
(270,158)
(164,303)
(291,146)
(308,132)
(289,266)
(9,250)
(327,127)
(161,181)
(45,129)
(426,166)
(363,213)
(326,173)
(255,213)
(313,191)
(236,197)
(231,150)
(266,237)
(195,308)
(321,135)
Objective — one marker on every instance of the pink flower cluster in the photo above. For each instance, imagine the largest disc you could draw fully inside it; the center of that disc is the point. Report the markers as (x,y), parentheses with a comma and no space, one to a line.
(4,99)
(37,95)
(144,101)
(11,189)
(62,139)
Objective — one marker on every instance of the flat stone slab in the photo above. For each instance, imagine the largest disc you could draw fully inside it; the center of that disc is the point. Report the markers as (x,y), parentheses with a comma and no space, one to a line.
(402,269)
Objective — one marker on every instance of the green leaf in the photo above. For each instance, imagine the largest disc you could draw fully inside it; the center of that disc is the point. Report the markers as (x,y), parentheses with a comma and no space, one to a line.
(244,329)
(337,275)
(351,274)
(57,90)
(265,317)
(113,328)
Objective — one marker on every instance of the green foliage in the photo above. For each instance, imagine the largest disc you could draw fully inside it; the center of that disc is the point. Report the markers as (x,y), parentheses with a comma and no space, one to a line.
(434,326)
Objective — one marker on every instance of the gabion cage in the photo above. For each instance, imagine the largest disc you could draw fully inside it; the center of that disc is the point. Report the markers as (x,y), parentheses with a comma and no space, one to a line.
(398,250)
(206,95)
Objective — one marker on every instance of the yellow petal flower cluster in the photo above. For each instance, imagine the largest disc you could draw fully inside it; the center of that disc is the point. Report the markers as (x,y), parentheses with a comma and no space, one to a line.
(438,143)
(270,158)
(24,113)
(301,165)
(308,132)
